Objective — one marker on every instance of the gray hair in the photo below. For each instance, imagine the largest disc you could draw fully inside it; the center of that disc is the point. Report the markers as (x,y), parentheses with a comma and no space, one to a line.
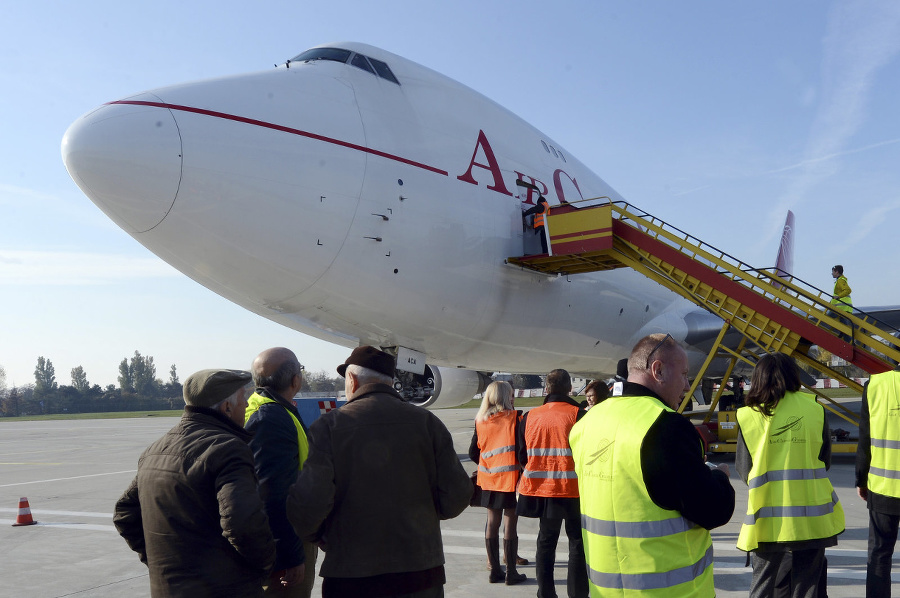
(367,376)
(280,378)
(233,399)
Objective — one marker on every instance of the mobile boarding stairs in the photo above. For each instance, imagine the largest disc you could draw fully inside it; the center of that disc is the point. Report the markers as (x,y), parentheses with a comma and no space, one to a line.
(772,311)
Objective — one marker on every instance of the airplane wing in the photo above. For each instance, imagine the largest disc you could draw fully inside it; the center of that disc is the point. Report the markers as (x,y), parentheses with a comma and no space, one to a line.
(889,315)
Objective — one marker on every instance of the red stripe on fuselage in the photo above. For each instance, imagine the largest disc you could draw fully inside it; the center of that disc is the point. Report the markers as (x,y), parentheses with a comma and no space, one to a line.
(283,129)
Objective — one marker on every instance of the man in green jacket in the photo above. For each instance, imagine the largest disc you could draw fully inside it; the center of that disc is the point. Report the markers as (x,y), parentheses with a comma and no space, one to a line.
(193,513)
(840,298)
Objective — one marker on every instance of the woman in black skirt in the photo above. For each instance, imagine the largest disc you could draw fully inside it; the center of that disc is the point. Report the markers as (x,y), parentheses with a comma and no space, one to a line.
(493,447)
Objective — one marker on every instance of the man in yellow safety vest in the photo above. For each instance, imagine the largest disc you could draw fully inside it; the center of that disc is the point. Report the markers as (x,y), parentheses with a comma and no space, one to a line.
(840,298)
(648,499)
(878,474)
(280,449)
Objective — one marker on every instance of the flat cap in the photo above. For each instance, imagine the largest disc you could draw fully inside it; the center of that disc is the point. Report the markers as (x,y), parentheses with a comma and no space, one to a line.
(369,358)
(208,387)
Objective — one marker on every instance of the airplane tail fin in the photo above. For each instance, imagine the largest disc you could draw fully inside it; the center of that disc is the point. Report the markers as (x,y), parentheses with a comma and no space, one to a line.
(784,263)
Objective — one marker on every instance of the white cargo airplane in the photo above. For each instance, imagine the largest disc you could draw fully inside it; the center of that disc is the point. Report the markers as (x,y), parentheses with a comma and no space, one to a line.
(362,198)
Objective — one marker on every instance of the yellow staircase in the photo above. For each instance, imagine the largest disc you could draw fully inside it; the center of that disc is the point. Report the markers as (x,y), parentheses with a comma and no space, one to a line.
(772,310)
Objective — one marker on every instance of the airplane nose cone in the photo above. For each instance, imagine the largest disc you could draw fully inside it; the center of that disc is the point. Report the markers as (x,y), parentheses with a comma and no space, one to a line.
(127,159)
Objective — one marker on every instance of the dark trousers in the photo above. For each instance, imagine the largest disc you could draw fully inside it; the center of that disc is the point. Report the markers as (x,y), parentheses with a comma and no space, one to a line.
(545,557)
(542,233)
(805,573)
(882,537)
(434,592)
(840,316)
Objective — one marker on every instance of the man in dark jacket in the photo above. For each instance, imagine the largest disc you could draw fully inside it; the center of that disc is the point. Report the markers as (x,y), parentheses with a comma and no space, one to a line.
(280,448)
(540,211)
(193,513)
(380,477)
(877,475)
(639,460)
(548,489)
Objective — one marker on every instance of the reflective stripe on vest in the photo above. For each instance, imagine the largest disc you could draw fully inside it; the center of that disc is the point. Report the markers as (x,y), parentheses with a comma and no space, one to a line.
(645,582)
(539,217)
(550,471)
(883,396)
(550,452)
(787,474)
(801,511)
(498,468)
(256,401)
(632,546)
(790,497)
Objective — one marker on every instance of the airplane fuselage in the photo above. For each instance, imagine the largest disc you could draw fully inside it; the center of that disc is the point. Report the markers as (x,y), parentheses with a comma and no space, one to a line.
(362,210)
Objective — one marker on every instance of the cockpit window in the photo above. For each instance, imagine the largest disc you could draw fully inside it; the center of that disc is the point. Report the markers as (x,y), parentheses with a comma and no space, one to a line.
(335,54)
(370,65)
(362,62)
(384,71)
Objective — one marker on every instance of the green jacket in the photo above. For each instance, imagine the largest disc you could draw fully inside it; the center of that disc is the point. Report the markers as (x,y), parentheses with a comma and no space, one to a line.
(841,296)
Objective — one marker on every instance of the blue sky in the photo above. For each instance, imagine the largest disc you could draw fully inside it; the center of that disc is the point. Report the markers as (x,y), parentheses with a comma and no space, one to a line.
(714,116)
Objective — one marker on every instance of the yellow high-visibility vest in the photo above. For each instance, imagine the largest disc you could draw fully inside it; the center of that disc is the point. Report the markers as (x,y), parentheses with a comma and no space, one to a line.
(256,401)
(791,498)
(842,303)
(883,396)
(632,546)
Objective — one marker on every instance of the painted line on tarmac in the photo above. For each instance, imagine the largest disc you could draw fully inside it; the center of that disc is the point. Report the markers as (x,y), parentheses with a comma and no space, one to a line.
(853,553)
(82,526)
(464,533)
(78,477)
(833,572)
(562,556)
(63,513)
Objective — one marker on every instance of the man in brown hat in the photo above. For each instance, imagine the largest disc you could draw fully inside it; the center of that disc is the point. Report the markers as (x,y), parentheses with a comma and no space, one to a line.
(380,477)
(193,513)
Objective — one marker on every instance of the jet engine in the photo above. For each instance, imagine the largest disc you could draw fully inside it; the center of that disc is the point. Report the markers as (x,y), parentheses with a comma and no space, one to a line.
(440,388)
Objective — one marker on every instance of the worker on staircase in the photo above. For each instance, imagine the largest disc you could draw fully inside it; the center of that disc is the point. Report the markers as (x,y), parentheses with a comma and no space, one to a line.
(840,298)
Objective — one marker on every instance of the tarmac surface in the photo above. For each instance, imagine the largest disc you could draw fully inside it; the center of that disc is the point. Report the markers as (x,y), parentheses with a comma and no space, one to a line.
(72,473)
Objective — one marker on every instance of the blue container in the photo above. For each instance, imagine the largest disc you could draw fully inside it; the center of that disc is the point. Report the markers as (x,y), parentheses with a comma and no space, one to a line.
(312,408)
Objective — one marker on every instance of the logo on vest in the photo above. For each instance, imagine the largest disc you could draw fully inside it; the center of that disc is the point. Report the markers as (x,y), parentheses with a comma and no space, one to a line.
(601,457)
(894,411)
(794,424)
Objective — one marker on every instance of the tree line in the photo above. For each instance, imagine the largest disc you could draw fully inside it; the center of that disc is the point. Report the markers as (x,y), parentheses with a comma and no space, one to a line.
(138,389)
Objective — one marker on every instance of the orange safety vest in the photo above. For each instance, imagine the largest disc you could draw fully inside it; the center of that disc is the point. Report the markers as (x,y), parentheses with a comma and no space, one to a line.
(498,468)
(550,471)
(539,217)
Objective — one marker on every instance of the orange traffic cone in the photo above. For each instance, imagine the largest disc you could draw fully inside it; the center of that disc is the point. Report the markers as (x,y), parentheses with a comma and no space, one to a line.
(24,516)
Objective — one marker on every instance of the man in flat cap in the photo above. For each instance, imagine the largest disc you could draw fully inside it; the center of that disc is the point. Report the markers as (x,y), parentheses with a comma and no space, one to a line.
(280,449)
(193,513)
(380,477)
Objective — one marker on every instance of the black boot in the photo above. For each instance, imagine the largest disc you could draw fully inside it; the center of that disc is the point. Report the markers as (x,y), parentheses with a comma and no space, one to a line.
(509,550)
(493,550)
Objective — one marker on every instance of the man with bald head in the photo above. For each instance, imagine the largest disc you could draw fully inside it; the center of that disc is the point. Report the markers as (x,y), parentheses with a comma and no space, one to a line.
(648,499)
(280,448)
